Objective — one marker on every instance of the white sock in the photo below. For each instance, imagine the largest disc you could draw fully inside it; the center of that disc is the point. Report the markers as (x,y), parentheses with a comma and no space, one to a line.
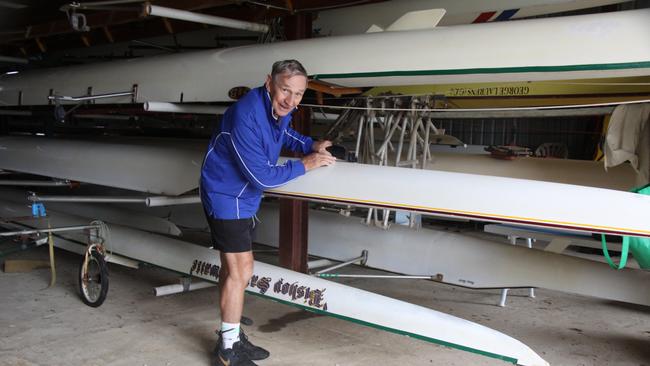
(229,334)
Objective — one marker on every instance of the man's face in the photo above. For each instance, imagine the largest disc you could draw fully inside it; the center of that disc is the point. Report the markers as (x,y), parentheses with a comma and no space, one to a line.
(286,92)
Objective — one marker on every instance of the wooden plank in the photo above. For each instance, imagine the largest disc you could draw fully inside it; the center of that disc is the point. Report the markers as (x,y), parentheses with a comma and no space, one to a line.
(293,218)
(328,88)
(24,265)
(293,234)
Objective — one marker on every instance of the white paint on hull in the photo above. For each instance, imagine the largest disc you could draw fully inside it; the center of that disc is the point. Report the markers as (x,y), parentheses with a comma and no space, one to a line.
(172,167)
(358,19)
(579,47)
(460,259)
(578,172)
(474,197)
(144,165)
(307,292)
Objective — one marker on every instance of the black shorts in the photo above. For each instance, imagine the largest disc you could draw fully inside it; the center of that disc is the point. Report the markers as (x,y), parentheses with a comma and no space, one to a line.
(232,236)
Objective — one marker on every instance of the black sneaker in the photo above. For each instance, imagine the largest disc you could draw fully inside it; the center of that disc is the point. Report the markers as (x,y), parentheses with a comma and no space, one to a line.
(253,352)
(231,357)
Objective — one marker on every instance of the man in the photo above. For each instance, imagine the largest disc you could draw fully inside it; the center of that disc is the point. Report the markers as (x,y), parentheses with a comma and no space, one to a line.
(241,162)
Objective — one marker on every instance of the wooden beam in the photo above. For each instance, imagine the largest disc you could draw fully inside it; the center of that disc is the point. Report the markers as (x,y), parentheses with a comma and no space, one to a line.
(40,45)
(24,265)
(332,89)
(294,216)
(293,234)
(289,5)
(99,19)
(295,26)
(168,25)
(85,40)
(108,35)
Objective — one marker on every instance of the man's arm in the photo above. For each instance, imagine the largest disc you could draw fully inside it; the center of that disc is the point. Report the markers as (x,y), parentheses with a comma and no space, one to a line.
(321,147)
(297,142)
(317,160)
(304,144)
(247,148)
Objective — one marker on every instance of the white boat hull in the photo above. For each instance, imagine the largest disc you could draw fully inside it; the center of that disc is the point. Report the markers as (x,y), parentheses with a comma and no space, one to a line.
(173,168)
(578,172)
(144,165)
(459,259)
(588,46)
(473,197)
(358,19)
(306,292)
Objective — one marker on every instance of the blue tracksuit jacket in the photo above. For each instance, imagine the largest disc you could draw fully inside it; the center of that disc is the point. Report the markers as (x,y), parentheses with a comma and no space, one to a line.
(242,155)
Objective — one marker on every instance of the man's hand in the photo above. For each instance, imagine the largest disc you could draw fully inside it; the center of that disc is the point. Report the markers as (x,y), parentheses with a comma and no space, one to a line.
(321,146)
(316,160)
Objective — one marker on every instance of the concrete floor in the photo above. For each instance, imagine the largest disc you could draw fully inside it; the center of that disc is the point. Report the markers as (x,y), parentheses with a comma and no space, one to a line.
(51,326)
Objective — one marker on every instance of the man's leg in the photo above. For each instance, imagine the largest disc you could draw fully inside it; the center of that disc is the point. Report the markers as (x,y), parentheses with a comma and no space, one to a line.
(233,238)
(231,331)
(223,272)
(239,269)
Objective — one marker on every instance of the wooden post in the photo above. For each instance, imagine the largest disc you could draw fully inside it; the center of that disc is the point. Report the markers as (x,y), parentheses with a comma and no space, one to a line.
(293,234)
(85,40)
(294,214)
(40,44)
(168,26)
(298,26)
(108,34)
(294,218)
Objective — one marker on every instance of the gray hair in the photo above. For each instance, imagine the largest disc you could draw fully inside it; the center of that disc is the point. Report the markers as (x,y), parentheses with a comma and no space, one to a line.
(290,67)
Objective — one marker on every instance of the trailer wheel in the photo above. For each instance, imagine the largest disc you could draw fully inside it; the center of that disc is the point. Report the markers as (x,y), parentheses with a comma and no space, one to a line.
(93,279)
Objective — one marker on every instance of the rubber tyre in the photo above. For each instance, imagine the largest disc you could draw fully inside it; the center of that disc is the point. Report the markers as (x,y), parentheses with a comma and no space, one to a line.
(93,292)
